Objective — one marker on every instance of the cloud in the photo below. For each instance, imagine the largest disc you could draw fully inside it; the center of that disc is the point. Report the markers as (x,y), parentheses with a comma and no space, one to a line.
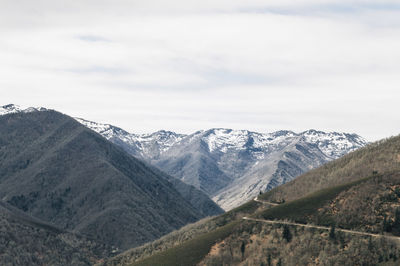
(261,65)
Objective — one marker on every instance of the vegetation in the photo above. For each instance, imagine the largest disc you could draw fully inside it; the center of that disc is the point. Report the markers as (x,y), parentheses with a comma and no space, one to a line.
(332,233)
(371,206)
(305,210)
(265,244)
(286,233)
(329,246)
(54,168)
(170,240)
(181,236)
(190,252)
(27,241)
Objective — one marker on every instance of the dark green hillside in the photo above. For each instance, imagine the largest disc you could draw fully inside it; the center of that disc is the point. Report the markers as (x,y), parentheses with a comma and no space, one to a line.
(192,251)
(197,198)
(28,241)
(305,209)
(55,169)
(203,233)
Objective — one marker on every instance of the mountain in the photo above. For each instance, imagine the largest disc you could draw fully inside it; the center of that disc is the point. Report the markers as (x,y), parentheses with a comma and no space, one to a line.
(61,172)
(377,158)
(232,166)
(29,241)
(197,198)
(345,212)
(12,109)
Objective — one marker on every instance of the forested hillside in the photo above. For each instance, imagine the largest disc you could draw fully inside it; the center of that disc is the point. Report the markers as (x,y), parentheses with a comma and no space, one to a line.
(25,240)
(57,170)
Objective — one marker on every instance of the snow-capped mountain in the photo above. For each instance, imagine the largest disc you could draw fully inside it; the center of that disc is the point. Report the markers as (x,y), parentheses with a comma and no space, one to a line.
(12,108)
(231,166)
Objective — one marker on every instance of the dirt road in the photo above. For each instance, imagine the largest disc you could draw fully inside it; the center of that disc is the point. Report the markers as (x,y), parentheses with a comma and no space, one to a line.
(321,227)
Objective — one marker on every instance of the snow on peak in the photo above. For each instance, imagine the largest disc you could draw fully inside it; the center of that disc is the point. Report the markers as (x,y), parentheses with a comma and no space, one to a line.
(224,139)
(165,139)
(13,108)
(334,144)
(10,109)
(104,129)
(143,143)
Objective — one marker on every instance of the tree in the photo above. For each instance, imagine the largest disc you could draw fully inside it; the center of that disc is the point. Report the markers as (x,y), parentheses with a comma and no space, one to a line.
(370,244)
(286,233)
(332,234)
(243,248)
(387,227)
(269,260)
(396,223)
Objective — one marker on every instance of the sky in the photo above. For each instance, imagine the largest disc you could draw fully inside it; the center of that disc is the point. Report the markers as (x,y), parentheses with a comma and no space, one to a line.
(185,65)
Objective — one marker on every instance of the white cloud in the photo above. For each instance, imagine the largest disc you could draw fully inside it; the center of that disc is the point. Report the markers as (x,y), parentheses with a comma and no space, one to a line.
(188,65)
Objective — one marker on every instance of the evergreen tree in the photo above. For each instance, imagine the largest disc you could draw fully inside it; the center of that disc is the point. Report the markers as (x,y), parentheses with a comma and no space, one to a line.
(243,248)
(387,227)
(396,223)
(286,233)
(332,234)
(269,260)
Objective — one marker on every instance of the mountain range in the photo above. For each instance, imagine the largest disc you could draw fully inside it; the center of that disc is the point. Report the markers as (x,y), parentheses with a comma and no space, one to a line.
(70,195)
(345,212)
(232,166)
(55,169)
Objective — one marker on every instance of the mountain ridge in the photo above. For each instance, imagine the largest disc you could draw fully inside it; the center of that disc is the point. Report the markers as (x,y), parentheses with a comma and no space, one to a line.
(232,166)
(54,168)
(213,160)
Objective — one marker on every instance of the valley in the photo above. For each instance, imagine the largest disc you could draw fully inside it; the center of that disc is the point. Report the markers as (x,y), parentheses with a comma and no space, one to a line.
(77,183)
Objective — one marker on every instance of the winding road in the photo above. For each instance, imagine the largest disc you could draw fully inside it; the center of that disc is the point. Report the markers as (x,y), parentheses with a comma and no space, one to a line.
(314,226)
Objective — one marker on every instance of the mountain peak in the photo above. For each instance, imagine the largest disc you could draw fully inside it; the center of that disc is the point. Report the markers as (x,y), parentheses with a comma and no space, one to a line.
(313,132)
(9,109)
(13,108)
(164,134)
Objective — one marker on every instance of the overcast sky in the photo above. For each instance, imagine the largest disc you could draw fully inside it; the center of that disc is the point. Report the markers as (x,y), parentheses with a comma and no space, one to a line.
(185,65)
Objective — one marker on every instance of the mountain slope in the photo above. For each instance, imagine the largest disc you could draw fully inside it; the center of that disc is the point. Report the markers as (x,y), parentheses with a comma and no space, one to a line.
(28,241)
(197,198)
(382,156)
(55,169)
(233,166)
(358,194)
